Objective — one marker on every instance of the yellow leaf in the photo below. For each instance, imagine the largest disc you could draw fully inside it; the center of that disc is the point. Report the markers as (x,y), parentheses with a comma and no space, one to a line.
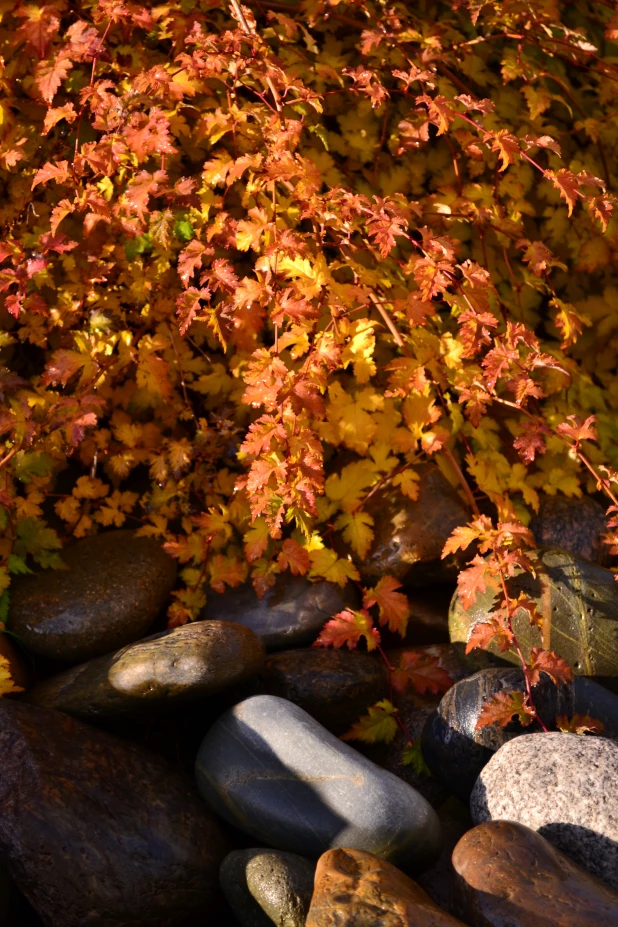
(256,539)
(87,487)
(377,726)
(347,488)
(359,350)
(7,684)
(326,565)
(408,483)
(356,528)
(350,416)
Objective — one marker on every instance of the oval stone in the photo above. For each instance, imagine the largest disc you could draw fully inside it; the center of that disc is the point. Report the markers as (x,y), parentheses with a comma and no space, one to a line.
(96,831)
(271,770)
(353,889)
(508,874)
(190,662)
(266,887)
(456,751)
(578,602)
(410,535)
(333,686)
(291,614)
(114,587)
(565,786)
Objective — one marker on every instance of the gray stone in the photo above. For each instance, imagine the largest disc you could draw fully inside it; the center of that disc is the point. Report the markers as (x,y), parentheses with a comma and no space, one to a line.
(191,662)
(291,614)
(266,887)
(269,769)
(578,602)
(97,831)
(113,588)
(576,525)
(565,786)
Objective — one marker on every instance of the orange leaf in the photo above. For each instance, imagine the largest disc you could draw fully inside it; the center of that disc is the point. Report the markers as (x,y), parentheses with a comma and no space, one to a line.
(579,724)
(394,608)
(484,632)
(294,557)
(547,661)
(422,671)
(503,707)
(347,627)
(49,76)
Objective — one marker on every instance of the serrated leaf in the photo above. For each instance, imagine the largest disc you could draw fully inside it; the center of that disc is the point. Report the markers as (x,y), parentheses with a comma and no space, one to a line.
(377,726)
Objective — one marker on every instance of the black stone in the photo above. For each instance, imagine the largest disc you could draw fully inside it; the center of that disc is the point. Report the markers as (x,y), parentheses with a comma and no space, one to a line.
(456,752)
(291,614)
(96,831)
(115,586)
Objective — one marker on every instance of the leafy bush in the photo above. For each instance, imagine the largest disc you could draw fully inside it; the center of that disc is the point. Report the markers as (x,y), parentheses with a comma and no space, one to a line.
(238,241)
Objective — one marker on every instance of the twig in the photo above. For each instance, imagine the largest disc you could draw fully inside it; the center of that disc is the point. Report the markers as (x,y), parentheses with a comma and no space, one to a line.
(249,30)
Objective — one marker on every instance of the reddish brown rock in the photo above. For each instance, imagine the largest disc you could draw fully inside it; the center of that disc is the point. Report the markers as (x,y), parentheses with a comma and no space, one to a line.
(507,874)
(356,889)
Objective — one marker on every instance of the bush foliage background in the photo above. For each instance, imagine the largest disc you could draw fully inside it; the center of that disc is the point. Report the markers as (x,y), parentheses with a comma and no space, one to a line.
(238,242)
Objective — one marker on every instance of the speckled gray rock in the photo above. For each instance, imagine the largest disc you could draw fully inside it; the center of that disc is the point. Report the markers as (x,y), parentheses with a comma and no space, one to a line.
(113,589)
(291,614)
(191,662)
(456,751)
(578,602)
(266,887)
(576,525)
(269,769)
(565,786)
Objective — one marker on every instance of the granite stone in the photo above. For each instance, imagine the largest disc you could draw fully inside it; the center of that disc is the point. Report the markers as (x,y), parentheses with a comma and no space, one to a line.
(271,770)
(355,889)
(507,874)
(576,525)
(266,887)
(96,831)
(190,662)
(114,587)
(291,614)
(565,786)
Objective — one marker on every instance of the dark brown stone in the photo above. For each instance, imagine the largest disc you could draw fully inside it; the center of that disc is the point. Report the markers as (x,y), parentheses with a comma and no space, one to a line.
(191,662)
(439,880)
(578,601)
(410,536)
(356,889)
(506,874)
(113,589)
(96,831)
(333,686)
(428,622)
(576,525)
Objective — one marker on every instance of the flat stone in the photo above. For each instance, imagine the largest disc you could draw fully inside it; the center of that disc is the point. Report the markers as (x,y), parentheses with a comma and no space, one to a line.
(96,831)
(291,614)
(115,586)
(272,771)
(410,536)
(266,887)
(508,874)
(355,889)
(578,601)
(565,786)
(576,525)
(191,662)
(456,752)
(334,686)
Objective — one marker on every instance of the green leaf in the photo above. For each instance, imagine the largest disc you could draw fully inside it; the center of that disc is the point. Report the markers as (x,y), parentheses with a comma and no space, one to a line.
(32,464)
(184,230)
(135,246)
(413,756)
(5,600)
(17,565)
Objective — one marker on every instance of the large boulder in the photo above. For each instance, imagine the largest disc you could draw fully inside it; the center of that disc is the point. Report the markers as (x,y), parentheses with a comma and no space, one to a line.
(96,831)
(576,525)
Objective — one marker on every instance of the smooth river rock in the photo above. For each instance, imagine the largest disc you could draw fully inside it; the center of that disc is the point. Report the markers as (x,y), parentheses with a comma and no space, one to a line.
(356,889)
(96,831)
(271,770)
(333,686)
(565,786)
(191,662)
(115,586)
(291,614)
(266,887)
(410,536)
(576,525)
(506,874)
(579,604)
(456,752)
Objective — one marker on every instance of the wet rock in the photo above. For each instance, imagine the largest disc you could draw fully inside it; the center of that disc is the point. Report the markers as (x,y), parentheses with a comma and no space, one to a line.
(273,772)
(439,880)
(565,786)
(410,536)
(266,887)
(456,752)
(291,614)
(333,686)
(113,589)
(508,874)
(191,662)
(579,604)
(576,525)
(354,888)
(96,831)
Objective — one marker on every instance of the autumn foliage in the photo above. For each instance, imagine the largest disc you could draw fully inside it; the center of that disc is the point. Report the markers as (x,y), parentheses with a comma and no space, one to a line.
(257,260)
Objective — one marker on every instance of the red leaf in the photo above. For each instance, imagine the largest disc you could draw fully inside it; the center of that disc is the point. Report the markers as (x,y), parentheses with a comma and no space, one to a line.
(294,557)
(422,671)
(483,633)
(394,608)
(567,185)
(577,430)
(49,76)
(503,707)
(58,172)
(347,627)
(531,441)
(547,661)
